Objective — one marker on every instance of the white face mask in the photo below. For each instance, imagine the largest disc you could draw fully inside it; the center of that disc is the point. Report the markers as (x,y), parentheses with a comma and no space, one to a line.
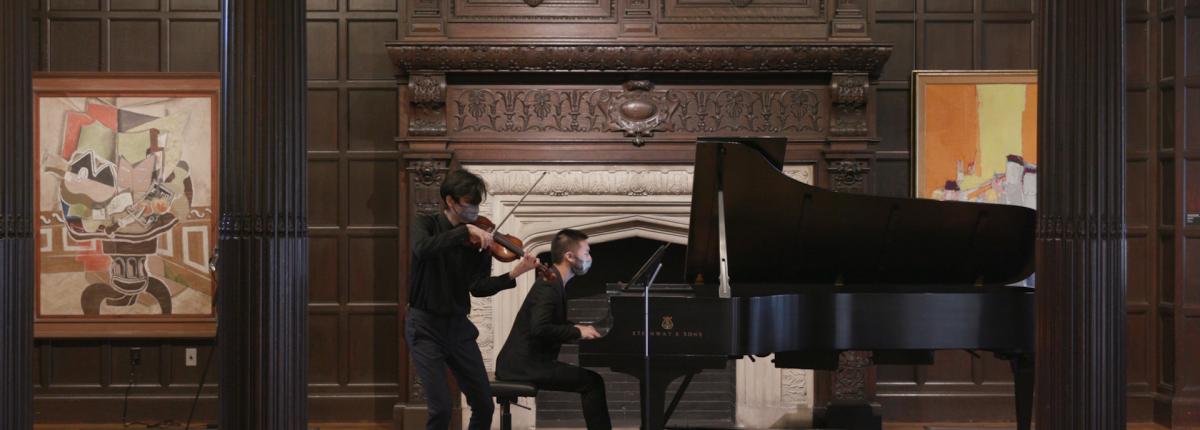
(581,266)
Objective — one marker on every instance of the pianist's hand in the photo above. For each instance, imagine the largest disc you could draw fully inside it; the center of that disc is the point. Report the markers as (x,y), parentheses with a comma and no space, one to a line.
(587,331)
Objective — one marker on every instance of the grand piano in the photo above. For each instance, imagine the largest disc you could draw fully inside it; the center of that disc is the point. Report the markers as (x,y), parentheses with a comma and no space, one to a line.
(778,266)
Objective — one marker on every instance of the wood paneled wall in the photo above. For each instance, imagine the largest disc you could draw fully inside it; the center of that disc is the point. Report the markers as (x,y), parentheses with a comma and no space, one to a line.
(1142,127)
(1002,34)
(353,185)
(1172,217)
(354,180)
(954,35)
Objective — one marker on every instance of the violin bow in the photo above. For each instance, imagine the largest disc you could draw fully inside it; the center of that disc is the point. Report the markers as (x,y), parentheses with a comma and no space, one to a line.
(523,196)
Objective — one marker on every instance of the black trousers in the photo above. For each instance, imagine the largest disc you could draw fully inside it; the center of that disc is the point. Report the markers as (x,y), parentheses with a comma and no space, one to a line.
(589,385)
(437,343)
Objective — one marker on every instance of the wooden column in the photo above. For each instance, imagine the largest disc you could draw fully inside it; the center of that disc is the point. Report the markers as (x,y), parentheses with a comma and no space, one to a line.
(16,208)
(263,267)
(1081,217)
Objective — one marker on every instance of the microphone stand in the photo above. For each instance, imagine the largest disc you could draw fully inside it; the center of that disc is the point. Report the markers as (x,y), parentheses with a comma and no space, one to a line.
(646,336)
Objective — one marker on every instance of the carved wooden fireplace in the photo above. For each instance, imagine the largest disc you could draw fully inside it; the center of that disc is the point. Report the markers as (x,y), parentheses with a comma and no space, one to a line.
(615,124)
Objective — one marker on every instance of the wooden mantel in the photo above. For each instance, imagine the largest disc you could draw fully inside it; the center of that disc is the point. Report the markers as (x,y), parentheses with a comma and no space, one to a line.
(746,57)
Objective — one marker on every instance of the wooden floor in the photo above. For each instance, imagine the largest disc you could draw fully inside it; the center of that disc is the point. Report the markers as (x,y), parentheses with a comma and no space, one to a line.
(323,426)
(985,426)
(387,426)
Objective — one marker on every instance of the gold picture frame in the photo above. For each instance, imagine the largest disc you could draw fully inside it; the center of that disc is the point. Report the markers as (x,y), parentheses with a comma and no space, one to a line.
(975,135)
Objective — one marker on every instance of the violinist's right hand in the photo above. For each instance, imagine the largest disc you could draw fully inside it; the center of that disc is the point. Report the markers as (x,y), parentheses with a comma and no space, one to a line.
(480,235)
(527,263)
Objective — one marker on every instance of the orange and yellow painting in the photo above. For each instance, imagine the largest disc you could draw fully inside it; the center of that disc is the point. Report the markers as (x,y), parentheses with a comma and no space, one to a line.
(976,136)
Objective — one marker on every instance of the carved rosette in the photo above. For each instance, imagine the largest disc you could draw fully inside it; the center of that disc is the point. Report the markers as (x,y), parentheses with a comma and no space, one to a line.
(849,93)
(850,378)
(424,180)
(635,111)
(427,95)
(849,175)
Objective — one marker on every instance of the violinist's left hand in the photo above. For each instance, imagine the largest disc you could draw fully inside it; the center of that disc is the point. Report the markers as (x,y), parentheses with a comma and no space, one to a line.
(525,264)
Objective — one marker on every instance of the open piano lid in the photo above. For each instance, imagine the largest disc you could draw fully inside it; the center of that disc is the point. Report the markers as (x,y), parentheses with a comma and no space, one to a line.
(782,231)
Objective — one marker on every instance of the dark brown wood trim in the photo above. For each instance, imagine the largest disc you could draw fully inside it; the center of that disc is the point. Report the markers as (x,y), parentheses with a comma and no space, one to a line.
(199,329)
(863,57)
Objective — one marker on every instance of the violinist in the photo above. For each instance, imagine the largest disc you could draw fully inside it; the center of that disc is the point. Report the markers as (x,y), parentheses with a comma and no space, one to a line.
(531,352)
(450,262)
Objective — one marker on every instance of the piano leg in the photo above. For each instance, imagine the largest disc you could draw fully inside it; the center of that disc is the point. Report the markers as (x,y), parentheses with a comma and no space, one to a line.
(1023,379)
(653,401)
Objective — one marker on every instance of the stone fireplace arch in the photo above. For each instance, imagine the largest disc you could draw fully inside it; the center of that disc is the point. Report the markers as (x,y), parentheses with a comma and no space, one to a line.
(609,203)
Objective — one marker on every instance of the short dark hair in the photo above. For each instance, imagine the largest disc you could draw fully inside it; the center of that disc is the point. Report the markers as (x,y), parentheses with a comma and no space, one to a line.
(567,240)
(461,183)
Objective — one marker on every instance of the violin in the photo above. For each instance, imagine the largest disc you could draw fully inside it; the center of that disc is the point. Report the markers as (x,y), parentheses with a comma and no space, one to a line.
(506,247)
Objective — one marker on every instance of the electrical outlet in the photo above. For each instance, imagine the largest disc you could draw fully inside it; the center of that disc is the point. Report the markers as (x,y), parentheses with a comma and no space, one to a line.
(189,357)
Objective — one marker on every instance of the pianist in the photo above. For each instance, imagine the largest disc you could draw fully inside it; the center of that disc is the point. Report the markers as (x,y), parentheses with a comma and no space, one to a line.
(541,327)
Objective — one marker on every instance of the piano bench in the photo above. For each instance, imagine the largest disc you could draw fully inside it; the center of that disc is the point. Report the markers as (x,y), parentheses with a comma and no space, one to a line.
(506,394)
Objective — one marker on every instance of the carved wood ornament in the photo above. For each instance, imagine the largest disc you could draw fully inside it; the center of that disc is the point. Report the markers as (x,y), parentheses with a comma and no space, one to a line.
(635,110)
(850,100)
(428,98)
(818,57)
(848,175)
(425,179)
(638,110)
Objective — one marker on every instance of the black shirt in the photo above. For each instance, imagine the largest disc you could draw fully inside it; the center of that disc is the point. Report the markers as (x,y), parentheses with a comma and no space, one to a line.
(445,270)
(538,333)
